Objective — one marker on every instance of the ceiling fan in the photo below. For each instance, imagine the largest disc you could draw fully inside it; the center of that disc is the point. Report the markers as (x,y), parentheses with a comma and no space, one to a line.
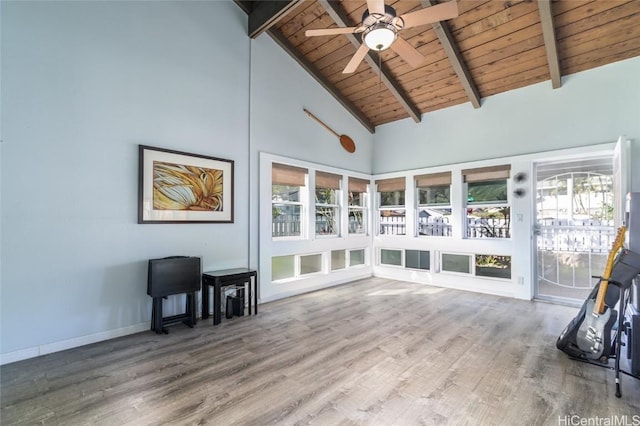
(380,26)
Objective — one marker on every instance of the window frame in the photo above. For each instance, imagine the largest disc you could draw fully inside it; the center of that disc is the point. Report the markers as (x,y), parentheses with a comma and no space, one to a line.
(486,175)
(331,182)
(433,180)
(291,177)
(363,208)
(393,185)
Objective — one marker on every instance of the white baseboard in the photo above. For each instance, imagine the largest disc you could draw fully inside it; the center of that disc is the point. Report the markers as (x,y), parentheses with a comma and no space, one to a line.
(70,343)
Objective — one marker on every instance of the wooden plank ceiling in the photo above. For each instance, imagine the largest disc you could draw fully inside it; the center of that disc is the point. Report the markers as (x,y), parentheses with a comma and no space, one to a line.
(491,47)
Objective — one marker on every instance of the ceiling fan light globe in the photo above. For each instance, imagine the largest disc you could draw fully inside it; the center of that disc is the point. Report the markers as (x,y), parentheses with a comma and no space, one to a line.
(380,37)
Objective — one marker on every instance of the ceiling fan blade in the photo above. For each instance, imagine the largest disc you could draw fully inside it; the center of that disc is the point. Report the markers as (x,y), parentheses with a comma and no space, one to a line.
(431,14)
(375,6)
(356,59)
(407,52)
(330,31)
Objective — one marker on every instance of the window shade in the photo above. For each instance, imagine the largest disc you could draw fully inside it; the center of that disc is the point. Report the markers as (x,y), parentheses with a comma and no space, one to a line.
(487,173)
(433,179)
(328,180)
(358,185)
(282,174)
(388,185)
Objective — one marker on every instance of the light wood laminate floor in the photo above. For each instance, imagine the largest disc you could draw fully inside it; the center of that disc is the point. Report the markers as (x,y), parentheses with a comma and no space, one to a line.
(372,352)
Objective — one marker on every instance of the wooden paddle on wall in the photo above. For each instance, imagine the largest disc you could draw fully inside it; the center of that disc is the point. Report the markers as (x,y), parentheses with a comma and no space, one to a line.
(347,143)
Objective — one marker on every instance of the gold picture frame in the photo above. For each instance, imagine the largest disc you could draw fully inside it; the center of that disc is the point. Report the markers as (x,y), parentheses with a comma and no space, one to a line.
(179,187)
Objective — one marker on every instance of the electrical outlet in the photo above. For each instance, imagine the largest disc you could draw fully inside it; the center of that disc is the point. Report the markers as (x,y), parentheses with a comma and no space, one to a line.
(521,280)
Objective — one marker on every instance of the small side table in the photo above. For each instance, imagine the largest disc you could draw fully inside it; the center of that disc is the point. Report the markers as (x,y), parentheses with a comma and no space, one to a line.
(223,278)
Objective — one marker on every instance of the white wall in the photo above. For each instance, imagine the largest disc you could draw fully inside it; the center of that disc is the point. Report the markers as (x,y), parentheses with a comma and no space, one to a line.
(83,84)
(591,107)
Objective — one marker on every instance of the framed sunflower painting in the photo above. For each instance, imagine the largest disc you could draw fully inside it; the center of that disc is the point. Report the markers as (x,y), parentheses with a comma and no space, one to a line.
(178,187)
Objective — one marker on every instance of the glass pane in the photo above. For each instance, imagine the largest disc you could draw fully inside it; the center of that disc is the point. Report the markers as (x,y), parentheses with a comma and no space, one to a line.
(310,264)
(417,259)
(488,265)
(435,195)
(338,259)
(282,267)
(391,257)
(434,222)
(326,221)
(356,257)
(392,198)
(592,196)
(494,191)
(286,220)
(392,222)
(494,222)
(325,196)
(357,198)
(456,263)
(285,193)
(357,221)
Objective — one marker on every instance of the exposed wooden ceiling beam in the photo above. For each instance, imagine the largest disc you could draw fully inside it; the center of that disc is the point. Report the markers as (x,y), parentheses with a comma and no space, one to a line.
(549,36)
(457,62)
(245,5)
(315,73)
(338,15)
(264,14)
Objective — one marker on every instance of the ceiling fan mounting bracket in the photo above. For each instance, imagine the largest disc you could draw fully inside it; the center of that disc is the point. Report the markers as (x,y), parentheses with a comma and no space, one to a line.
(369,19)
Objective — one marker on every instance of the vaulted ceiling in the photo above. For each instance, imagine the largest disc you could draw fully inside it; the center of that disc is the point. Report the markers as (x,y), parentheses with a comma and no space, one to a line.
(491,47)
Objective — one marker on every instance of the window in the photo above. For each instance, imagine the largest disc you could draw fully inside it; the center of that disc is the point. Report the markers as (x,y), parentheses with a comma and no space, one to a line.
(460,263)
(327,207)
(493,266)
(434,204)
(391,257)
(410,259)
(283,267)
(391,206)
(356,257)
(310,264)
(488,210)
(417,259)
(287,188)
(338,259)
(292,266)
(358,206)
